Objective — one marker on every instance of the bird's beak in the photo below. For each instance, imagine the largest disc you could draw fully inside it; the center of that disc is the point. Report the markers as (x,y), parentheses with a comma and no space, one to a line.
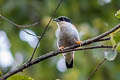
(56,20)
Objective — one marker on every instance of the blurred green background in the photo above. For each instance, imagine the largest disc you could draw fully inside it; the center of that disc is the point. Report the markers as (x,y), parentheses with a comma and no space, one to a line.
(92,17)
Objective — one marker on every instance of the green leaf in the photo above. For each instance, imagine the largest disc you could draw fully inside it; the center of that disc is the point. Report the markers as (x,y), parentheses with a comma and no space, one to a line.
(0,72)
(118,47)
(19,77)
(112,40)
(117,14)
(116,37)
(110,55)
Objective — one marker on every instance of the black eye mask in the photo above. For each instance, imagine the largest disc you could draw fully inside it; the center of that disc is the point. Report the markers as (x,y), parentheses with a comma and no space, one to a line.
(61,19)
(64,19)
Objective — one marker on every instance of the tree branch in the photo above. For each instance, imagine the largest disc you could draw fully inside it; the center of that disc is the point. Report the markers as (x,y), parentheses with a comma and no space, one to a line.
(17,25)
(46,56)
(104,39)
(95,39)
(94,47)
(20,26)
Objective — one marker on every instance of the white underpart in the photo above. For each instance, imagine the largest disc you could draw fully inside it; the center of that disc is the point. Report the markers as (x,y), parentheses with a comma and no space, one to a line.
(57,31)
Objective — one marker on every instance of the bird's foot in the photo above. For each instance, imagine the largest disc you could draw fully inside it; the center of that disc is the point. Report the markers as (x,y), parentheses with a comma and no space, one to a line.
(78,42)
(61,48)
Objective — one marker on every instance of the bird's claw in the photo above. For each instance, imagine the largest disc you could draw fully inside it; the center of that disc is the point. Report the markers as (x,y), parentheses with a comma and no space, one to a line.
(61,48)
(79,42)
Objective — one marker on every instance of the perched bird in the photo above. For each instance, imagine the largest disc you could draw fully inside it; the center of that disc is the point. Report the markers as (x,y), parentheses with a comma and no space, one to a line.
(67,36)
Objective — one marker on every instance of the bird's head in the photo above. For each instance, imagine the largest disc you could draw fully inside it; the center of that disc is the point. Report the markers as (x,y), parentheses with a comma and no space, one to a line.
(62,20)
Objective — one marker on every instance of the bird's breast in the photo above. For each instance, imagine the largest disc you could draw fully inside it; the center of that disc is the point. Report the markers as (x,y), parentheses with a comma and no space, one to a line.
(66,32)
(67,36)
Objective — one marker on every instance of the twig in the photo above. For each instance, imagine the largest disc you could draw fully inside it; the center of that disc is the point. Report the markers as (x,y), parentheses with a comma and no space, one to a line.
(106,33)
(20,26)
(99,65)
(46,56)
(31,34)
(43,33)
(94,47)
(104,39)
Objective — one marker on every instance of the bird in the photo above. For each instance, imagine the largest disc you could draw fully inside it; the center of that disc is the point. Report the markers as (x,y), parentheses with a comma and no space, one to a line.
(67,36)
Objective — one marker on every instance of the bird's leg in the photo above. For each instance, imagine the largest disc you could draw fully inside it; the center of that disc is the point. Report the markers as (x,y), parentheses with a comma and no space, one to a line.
(61,48)
(78,42)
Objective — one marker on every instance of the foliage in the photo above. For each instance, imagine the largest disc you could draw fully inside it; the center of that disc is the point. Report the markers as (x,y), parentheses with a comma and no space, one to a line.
(19,77)
(110,55)
(115,40)
(117,14)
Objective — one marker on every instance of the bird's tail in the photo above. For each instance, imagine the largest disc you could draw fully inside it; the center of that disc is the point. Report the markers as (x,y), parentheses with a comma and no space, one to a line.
(69,57)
